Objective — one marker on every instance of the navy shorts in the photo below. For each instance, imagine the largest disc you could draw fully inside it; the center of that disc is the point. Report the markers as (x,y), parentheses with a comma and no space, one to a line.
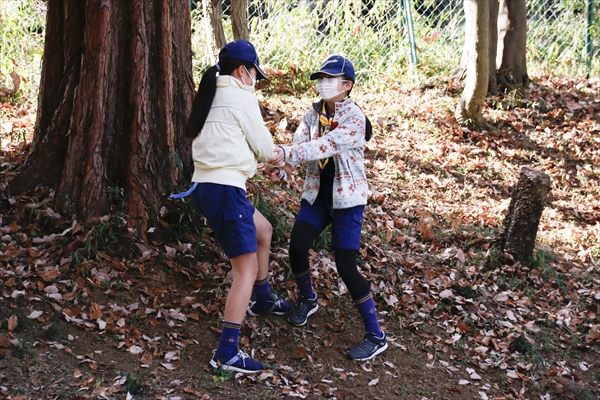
(230,215)
(346,223)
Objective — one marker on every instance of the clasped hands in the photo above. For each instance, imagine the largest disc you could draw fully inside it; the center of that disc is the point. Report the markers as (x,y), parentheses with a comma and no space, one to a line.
(279,169)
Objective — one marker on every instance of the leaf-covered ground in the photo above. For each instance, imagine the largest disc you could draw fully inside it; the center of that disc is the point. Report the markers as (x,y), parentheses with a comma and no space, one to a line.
(88,311)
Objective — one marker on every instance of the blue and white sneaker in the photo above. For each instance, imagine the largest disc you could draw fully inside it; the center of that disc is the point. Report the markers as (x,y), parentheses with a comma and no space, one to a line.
(241,362)
(275,306)
(302,310)
(370,346)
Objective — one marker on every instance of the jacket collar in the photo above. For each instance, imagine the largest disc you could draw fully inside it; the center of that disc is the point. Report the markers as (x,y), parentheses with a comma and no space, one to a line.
(340,105)
(228,80)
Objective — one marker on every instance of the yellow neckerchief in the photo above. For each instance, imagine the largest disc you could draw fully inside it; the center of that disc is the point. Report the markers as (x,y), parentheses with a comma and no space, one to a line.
(326,122)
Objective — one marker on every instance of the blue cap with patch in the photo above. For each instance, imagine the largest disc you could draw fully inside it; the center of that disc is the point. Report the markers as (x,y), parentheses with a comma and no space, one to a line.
(335,66)
(243,50)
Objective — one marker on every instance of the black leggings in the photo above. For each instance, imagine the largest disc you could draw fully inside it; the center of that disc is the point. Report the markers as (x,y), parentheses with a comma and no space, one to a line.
(302,238)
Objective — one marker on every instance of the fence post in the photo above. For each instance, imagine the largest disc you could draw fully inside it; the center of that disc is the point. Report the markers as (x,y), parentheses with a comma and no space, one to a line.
(588,35)
(411,32)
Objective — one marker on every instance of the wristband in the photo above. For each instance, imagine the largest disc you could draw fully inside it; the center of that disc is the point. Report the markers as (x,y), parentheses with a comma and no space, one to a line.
(282,175)
(282,149)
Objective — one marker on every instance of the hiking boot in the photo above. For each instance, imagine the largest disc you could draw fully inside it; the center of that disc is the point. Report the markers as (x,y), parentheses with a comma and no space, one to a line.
(370,346)
(303,308)
(241,362)
(274,305)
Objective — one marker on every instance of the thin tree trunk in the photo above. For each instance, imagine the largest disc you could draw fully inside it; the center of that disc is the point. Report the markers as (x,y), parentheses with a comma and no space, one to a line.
(213,17)
(512,42)
(493,48)
(115,93)
(239,19)
(470,105)
(461,72)
(524,213)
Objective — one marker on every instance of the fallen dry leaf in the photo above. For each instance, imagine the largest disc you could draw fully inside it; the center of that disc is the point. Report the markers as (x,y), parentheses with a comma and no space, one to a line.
(136,349)
(373,382)
(12,322)
(146,358)
(95,311)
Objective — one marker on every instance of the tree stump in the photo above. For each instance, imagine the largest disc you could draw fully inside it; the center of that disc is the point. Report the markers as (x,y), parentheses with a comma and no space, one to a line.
(524,213)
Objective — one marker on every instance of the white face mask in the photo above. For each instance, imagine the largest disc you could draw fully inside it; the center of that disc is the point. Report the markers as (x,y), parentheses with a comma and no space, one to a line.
(252,87)
(328,87)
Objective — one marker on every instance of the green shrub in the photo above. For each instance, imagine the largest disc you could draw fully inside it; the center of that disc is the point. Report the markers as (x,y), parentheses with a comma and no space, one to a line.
(22,25)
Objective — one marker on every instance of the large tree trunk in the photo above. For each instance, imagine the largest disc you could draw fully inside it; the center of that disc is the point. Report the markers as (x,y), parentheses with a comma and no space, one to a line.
(524,213)
(512,43)
(213,17)
(239,19)
(115,92)
(470,105)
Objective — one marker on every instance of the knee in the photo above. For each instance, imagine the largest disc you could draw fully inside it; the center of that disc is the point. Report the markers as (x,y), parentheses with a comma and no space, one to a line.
(264,232)
(245,266)
(250,271)
(298,246)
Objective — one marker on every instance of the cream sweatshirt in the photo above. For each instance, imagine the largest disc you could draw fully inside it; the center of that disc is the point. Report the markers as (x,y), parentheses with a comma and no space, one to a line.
(234,138)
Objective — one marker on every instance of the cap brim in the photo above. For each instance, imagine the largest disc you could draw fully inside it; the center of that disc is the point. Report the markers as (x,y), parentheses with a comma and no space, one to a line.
(261,73)
(315,75)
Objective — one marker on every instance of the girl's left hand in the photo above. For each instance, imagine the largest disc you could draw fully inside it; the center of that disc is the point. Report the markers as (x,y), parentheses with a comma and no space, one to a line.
(281,173)
(289,170)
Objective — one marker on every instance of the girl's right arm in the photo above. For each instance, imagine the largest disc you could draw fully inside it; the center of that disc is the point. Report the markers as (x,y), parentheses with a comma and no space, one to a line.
(257,135)
(302,133)
(349,134)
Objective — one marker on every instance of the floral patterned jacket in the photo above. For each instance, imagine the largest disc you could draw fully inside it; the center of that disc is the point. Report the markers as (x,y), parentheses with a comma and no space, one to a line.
(345,143)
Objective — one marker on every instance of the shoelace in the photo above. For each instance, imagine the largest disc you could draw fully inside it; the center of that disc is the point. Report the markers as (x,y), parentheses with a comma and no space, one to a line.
(302,305)
(243,355)
(276,301)
(363,344)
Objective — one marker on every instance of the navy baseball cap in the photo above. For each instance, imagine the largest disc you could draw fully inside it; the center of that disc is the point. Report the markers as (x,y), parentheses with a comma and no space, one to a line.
(243,50)
(335,66)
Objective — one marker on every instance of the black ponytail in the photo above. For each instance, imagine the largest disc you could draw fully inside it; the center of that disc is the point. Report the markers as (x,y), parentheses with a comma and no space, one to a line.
(206,93)
(202,102)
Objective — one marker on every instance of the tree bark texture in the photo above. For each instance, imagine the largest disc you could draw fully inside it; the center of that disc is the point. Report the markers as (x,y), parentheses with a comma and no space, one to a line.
(239,19)
(471,102)
(213,17)
(507,46)
(524,213)
(115,93)
(512,42)
(493,48)
(460,73)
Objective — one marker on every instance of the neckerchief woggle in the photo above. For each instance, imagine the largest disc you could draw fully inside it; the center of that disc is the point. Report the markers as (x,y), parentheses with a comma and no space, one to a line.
(326,122)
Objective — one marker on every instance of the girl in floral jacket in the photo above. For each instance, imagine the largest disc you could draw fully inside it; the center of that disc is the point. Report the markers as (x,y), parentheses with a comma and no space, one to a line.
(331,138)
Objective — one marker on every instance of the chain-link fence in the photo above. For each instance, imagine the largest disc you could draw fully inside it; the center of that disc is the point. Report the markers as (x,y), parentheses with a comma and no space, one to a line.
(389,37)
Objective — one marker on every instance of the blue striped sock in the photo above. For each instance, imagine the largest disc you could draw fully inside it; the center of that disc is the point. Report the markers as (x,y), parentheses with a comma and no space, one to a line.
(304,283)
(368,312)
(261,290)
(228,346)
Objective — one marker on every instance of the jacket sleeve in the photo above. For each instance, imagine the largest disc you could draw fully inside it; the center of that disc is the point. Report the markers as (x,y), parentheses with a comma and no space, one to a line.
(257,135)
(302,133)
(349,134)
